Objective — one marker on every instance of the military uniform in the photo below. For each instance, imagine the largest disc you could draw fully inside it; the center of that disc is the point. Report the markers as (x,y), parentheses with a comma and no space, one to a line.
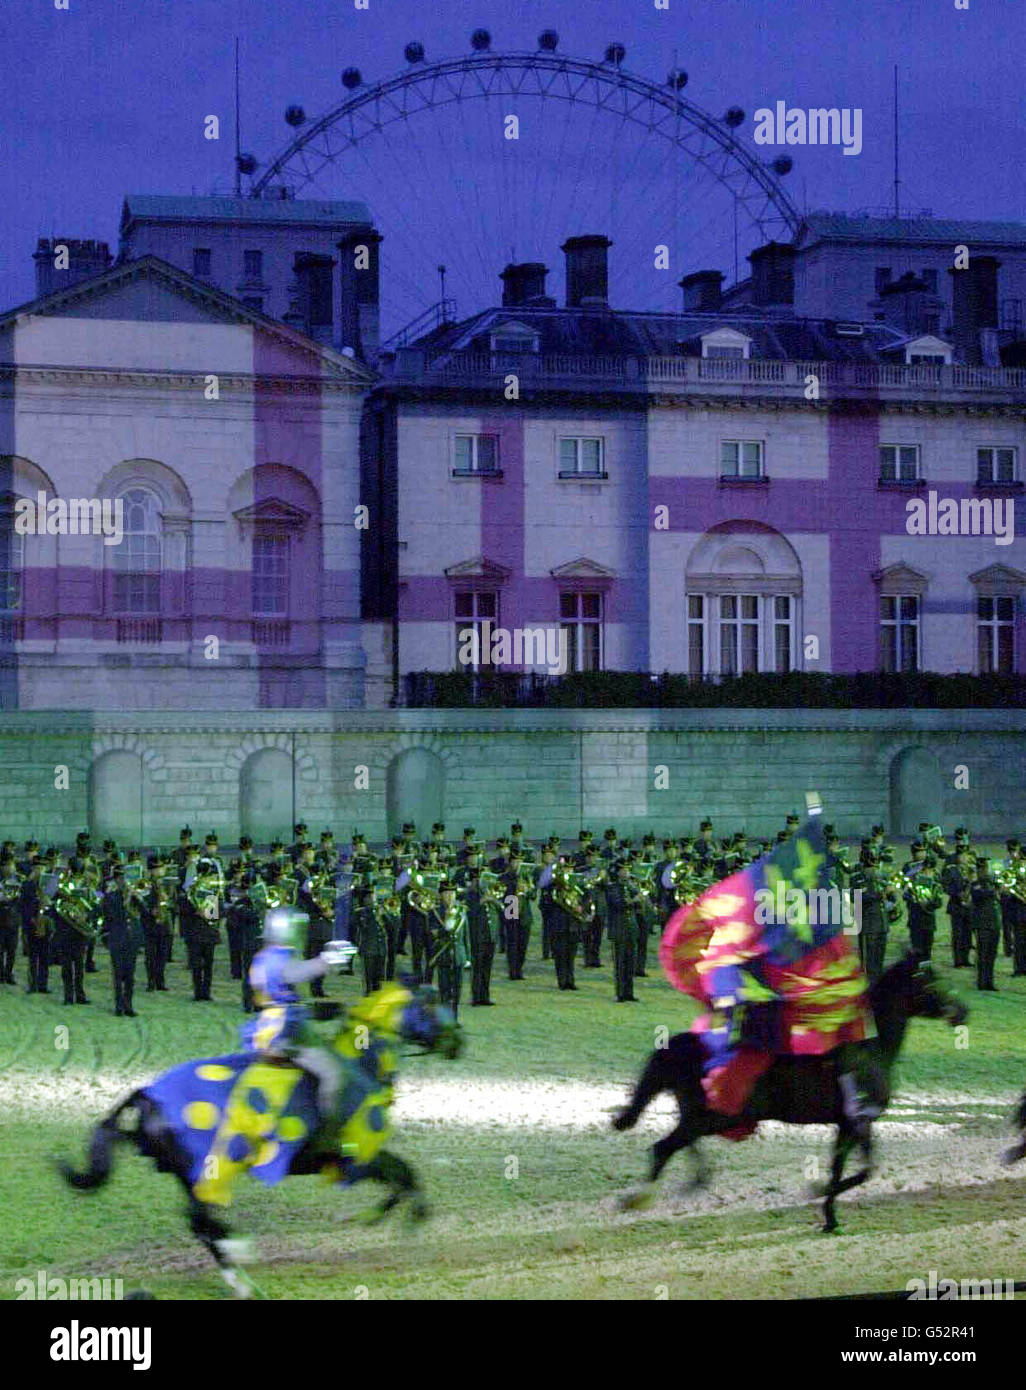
(124,935)
(451,948)
(10,921)
(621,924)
(874,926)
(986,928)
(956,880)
(36,928)
(483,929)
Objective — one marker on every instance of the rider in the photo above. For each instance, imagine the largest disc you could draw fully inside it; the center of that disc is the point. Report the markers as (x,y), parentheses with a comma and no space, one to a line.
(281,1030)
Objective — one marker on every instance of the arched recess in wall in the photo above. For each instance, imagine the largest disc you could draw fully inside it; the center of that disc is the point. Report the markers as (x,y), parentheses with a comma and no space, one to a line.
(267,796)
(115,797)
(917,791)
(415,790)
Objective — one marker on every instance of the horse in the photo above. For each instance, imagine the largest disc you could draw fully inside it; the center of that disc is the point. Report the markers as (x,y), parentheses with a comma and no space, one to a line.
(1018,1150)
(211,1120)
(797,1090)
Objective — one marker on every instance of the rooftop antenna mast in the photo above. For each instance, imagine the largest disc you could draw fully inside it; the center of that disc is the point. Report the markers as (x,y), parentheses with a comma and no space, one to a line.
(238,137)
(896,209)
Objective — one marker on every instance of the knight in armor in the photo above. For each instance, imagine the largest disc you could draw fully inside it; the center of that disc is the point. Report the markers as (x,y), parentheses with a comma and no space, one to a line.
(282,1029)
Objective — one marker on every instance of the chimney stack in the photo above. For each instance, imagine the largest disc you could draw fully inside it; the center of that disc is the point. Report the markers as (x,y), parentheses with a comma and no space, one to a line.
(359,281)
(587,272)
(703,290)
(907,304)
(85,259)
(311,301)
(773,273)
(523,284)
(974,301)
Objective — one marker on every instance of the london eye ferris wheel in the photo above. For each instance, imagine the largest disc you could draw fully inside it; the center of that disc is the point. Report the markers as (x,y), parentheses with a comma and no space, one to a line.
(472,161)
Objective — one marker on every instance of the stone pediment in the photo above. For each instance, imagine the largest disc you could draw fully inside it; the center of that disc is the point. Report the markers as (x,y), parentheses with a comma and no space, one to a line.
(901,579)
(584,569)
(999,579)
(478,569)
(272,512)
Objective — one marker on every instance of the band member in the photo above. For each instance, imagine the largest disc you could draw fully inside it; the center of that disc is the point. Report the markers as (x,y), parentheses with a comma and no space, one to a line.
(36,928)
(957,882)
(206,911)
(621,925)
(10,916)
(483,909)
(869,879)
(185,846)
(1010,904)
(320,925)
(71,937)
(233,892)
(157,925)
(373,930)
(450,945)
(986,924)
(248,926)
(593,875)
(566,934)
(517,914)
(923,899)
(549,857)
(124,936)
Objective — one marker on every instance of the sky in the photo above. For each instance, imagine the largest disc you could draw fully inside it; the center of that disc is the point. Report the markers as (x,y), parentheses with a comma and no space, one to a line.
(109,96)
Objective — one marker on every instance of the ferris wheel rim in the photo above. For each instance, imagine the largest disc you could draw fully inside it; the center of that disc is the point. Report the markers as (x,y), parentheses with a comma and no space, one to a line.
(614,76)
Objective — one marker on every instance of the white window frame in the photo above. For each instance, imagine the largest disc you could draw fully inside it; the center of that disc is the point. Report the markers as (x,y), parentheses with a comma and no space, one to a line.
(897,447)
(475,445)
(578,440)
(993,450)
(711,622)
(122,554)
(740,445)
(721,338)
(271,534)
(898,623)
(576,626)
(460,625)
(993,626)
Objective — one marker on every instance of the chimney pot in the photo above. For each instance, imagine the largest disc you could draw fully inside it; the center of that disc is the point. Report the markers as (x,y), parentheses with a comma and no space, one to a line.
(523,283)
(974,303)
(703,290)
(773,273)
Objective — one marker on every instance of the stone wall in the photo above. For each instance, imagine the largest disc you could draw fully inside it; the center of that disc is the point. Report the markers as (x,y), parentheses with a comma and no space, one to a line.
(145,775)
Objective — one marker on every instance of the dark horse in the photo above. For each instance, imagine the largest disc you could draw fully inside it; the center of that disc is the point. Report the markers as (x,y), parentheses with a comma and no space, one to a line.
(212,1120)
(1018,1150)
(797,1090)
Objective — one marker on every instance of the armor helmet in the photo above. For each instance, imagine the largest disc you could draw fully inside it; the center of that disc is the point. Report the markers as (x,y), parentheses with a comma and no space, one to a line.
(283,926)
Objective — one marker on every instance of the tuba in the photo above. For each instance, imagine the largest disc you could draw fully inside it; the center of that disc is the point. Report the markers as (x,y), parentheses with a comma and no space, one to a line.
(75,903)
(423,895)
(206,893)
(568,895)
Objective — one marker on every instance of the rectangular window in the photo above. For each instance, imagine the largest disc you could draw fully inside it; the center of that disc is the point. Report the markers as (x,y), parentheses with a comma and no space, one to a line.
(253,265)
(899,632)
(736,353)
(581,455)
(201,263)
(476,610)
(741,458)
(739,634)
(783,633)
(696,635)
(996,465)
(270,576)
(12,559)
(899,463)
(580,617)
(995,631)
(881,277)
(477,453)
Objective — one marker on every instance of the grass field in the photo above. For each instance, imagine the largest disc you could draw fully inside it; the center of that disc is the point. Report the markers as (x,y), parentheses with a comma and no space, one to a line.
(537,1083)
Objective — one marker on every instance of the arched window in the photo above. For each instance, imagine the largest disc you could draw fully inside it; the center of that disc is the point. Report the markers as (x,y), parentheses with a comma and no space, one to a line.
(138,559)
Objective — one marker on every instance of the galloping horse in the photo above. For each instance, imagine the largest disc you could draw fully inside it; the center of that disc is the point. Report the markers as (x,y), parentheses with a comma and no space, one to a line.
(797,1090)
(211,1120)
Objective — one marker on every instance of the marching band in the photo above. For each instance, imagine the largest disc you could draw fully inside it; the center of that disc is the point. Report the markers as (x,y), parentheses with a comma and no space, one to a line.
(451,907)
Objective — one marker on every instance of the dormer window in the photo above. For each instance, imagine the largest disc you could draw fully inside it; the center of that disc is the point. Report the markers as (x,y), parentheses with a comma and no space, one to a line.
(514,338)
(726,343)
(928,350)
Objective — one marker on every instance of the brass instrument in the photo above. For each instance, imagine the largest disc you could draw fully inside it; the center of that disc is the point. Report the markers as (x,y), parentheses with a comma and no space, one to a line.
(75,903)
(1011,879)
(385,901)
(206,893)
(492,888)
(568,894)
(423,895)
(323,893)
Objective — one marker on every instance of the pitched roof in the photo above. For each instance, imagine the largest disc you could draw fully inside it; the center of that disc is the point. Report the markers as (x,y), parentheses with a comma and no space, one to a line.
(160,208)
(839,226)
(610,333)
(221,306)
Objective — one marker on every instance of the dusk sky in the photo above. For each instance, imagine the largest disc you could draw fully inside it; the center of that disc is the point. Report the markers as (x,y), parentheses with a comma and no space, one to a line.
(110,96)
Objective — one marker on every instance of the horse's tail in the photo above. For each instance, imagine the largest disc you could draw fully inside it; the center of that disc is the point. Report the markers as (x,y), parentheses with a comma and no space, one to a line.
(106,1136)
(667,1069)
(1018,1151)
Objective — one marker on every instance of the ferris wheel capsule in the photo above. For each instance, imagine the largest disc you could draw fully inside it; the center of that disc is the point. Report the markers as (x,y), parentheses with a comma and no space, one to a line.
(734,117)
(548,41)
(414,52)
(351,78)
(615,54)
(480,40)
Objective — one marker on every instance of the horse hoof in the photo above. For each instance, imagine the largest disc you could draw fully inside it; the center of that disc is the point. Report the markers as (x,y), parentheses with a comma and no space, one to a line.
(622,1121)
(1013,1155)
(638,1200)
(237,1281)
